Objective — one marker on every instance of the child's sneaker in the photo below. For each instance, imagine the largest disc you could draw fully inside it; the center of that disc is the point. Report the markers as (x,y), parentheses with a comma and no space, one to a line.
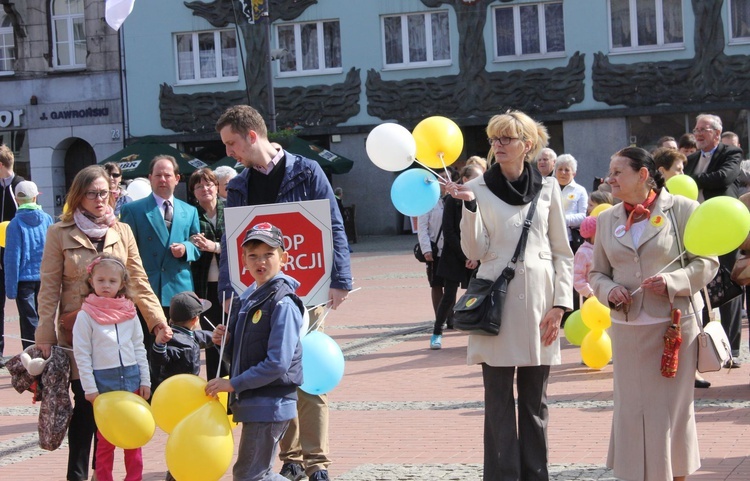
(293,471)
(436,342)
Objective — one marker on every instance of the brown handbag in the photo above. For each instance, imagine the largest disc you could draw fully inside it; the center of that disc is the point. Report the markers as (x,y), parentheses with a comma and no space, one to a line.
(741,270)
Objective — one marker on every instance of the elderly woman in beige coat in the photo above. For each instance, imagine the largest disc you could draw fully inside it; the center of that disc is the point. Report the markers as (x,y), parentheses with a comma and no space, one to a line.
(495,208)
(87,228)
(637,270)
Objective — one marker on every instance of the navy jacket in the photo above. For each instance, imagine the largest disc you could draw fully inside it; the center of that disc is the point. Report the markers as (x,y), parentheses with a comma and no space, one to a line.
(264,345)
(303,180)
(180,355)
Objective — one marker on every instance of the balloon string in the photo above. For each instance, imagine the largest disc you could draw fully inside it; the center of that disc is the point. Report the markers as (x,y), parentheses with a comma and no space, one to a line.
(320,319)
(439,179)
(639,289)
(224,337)
(445,167)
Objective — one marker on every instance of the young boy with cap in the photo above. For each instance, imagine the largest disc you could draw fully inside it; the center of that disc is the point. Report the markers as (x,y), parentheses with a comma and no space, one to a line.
(24,243)
(263,340)
(182,353)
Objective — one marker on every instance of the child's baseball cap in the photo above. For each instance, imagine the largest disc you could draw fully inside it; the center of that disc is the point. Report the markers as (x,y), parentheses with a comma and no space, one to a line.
(266,233)
(26,189)
(186,305)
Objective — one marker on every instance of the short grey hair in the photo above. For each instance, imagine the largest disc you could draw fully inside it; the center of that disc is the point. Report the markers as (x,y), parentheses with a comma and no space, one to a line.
(546,150)
(225,172)
(566,160)
(713,120)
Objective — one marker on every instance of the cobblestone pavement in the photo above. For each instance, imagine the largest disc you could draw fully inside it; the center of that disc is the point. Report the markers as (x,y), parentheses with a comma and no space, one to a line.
(404,412)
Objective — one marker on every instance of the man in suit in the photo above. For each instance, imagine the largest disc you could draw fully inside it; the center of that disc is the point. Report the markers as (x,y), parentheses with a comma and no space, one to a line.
(715,167)
(162,226)
(273,175)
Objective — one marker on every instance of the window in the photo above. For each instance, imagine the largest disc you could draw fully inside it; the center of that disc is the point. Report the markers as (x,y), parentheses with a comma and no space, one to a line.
(206,56)
(530,30)
(68,34)
(417,40)
(311,48)
(739,18)
(7,47)
(645,24)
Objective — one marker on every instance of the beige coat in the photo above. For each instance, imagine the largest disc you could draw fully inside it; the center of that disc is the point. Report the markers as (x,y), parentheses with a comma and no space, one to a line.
(618,262)
(67,253)
(543,280)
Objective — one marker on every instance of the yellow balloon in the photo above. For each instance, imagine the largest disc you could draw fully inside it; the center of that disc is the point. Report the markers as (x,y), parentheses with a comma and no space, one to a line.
(177,397)
(224,400)
(683,185)
(717,227)
(124,419)
(3,228)
(596,349)
(595,314)
(599,209)
(439,141)
(201,446)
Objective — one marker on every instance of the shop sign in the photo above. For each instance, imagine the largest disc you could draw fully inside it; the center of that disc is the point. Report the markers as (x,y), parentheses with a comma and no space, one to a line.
(10,118)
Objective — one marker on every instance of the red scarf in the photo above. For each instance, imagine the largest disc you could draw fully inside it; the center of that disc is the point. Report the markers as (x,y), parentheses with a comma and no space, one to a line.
(638,210)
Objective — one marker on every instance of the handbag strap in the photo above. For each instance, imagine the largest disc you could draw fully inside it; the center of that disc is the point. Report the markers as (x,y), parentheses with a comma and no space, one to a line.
(682,263)
(521,247)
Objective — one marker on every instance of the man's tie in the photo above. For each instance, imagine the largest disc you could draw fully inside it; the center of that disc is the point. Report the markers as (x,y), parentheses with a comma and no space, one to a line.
(168,211)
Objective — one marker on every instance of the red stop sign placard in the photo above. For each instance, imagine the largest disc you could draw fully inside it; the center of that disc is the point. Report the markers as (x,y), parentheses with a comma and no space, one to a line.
(302,240)
(306,227)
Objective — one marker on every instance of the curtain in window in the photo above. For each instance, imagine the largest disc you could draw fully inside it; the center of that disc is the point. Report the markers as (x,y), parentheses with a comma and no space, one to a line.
(79,40)
(228,53)
(672,11)
(207,55)
(646,22)
(185,67)
(309,37)
(332,44)
(530,29)
(620,23)
(554,27)
(441,40)
(740,18)
(62,44)
(286,41)
(394,53)
(6,49)
(506,43)
(417,38)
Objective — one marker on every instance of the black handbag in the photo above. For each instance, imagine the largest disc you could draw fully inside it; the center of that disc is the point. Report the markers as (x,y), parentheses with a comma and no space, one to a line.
(722,288)
(480,309)
(419,255)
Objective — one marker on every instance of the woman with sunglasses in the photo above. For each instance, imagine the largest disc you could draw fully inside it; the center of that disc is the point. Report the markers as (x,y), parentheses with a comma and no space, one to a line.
(118,196)
(87,228)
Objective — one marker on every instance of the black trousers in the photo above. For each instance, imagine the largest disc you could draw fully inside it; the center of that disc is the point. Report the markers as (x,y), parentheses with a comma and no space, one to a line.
(80,434)
(515,453)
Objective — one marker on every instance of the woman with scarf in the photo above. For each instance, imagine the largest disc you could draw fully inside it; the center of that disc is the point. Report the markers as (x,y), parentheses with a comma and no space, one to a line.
(495,207)
(638,270)
(86,229)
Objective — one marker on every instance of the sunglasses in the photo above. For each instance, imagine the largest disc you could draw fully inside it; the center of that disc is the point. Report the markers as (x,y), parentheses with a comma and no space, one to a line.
(116,175)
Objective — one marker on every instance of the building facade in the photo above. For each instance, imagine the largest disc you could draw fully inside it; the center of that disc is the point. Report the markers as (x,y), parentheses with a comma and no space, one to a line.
(600,74)
(60,94)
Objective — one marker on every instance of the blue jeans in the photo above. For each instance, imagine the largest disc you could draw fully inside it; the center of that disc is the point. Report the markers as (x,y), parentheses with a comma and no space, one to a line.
(28,318)
(259,443)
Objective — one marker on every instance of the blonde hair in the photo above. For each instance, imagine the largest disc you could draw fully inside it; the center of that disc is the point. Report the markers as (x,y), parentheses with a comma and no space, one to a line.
(517,124)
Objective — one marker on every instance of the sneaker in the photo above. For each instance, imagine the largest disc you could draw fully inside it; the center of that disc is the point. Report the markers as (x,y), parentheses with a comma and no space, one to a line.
(436,342)
(293,471)
(321,475)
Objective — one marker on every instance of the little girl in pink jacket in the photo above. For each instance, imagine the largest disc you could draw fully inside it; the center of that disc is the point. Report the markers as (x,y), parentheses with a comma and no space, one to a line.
(584,257)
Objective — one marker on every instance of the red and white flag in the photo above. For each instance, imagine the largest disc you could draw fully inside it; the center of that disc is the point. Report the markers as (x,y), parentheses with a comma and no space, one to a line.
(116,11)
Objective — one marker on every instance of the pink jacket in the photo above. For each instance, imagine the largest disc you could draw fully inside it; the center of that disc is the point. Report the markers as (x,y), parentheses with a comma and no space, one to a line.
(582,262)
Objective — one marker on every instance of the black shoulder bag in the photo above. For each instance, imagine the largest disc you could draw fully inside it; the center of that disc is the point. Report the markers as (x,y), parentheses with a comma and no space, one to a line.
(418,248)
(480,309)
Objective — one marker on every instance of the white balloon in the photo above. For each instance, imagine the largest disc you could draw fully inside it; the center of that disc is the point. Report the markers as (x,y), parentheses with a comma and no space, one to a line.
(139,188)
(391,147)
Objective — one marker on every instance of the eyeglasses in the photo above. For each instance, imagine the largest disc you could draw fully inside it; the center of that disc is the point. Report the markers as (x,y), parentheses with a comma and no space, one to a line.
(207,186)
(703,130)
(116,175)
(93,194)
(502,140)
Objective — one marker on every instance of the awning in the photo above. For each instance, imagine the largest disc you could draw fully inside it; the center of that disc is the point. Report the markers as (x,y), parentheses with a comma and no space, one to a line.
(330,162)
(134,159)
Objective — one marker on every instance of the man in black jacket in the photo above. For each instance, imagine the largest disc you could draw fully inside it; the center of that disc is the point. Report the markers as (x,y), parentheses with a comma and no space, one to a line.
(715,167)
(8,207)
